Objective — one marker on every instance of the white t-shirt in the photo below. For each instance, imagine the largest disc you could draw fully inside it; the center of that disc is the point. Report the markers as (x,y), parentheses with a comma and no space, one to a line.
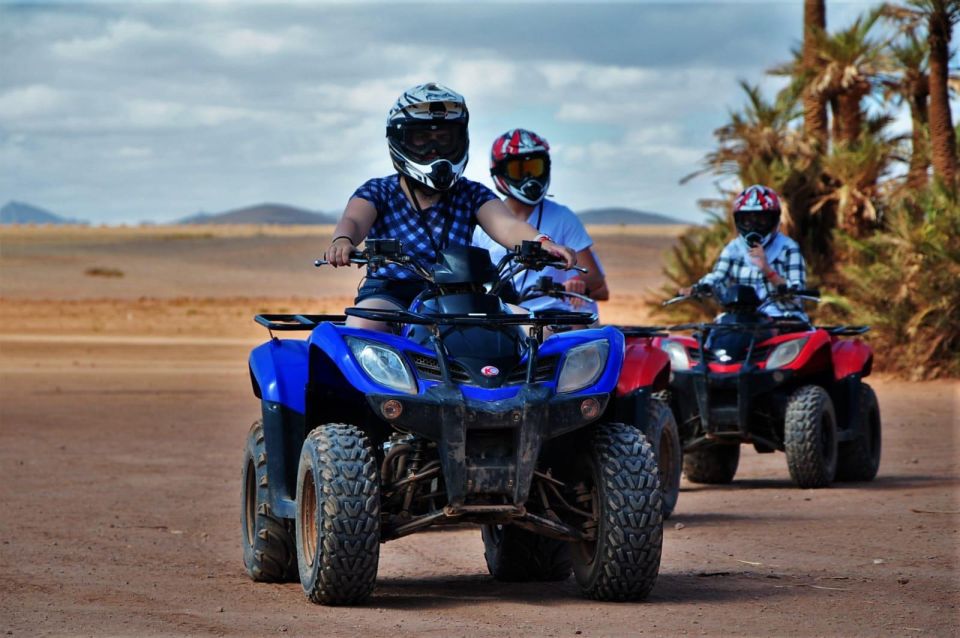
(564,227)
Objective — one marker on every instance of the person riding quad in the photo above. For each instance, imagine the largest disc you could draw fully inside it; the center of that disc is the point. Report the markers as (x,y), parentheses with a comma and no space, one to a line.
(520,169)
(427,203)
(761,256)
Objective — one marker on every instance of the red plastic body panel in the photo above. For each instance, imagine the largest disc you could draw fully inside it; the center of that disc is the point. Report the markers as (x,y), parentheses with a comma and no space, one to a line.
(851,356)
(814,357)
(644,364)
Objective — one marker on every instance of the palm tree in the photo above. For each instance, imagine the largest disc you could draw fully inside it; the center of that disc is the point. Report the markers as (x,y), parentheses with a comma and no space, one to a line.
(848,63)
(856,173)
(941,16)
(814,103)
(911,84)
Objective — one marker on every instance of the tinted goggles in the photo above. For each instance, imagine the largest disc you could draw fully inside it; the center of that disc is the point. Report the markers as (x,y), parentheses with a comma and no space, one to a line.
(761,221)
(517,169)
(439,139)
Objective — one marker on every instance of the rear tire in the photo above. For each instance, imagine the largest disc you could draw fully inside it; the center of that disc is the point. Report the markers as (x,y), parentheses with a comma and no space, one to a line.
(859,460)
(715,464)
(515,555)
(338,516)
(810,437)
(620,472)
(665,439)
(269,551)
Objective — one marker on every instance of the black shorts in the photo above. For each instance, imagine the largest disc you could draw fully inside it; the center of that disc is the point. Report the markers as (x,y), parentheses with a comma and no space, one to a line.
(402,292)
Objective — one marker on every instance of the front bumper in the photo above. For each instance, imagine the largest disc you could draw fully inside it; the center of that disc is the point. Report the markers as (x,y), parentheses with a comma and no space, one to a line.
(724,403)
(489,448)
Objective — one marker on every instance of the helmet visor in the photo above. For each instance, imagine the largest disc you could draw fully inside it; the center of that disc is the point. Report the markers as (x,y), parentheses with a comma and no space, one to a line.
(428,141)
(517,169)
(762,222)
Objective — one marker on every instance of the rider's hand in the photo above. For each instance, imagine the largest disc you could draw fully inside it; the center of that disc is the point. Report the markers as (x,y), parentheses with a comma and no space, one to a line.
(759,258)
(578,286)
(338,254)
(568,255)
(685,292)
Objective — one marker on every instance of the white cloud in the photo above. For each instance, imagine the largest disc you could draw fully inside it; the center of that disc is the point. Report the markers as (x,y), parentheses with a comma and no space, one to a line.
(29,101)
(117,34)
(248,42)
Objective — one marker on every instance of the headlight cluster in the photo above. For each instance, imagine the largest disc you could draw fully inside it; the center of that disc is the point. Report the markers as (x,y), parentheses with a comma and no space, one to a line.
(383,364)
(583,365)
(785,353)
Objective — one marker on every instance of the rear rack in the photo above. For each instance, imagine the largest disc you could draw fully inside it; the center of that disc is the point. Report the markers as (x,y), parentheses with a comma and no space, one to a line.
(295,322)
(642,331)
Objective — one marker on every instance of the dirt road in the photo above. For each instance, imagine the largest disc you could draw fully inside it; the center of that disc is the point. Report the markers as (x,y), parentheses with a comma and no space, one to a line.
(124,402)
(120,464)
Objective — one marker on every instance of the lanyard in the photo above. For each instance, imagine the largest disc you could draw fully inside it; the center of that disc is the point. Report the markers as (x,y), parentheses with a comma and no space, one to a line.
(523,282)
(425,222)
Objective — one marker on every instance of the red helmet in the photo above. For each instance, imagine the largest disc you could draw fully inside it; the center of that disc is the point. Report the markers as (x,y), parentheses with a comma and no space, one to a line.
(520,165)
(756,214)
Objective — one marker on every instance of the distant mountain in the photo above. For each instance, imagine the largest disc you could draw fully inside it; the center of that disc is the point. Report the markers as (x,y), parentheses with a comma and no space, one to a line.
(625,216)
(21,213)
(262,214)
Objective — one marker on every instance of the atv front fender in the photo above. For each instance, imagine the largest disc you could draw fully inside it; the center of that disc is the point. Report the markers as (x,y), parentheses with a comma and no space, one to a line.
(851,356)
(278,372)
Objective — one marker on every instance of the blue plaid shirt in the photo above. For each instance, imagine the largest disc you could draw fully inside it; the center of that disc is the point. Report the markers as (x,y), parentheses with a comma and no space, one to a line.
(398,219)
(734,268)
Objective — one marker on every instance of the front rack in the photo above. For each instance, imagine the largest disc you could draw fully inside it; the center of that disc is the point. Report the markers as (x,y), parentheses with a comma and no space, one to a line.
(295,322)
(783,324)
(533,318)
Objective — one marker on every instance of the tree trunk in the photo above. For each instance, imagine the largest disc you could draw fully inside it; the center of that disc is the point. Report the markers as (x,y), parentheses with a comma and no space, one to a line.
(850,114)
(919,116)
(943,142)
(814,104)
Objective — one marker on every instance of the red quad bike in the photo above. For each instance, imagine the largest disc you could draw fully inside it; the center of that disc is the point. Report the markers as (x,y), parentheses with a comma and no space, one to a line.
(640,397)
(776,383)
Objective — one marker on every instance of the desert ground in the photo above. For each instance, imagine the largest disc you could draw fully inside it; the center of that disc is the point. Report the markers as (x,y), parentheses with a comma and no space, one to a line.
(125,399)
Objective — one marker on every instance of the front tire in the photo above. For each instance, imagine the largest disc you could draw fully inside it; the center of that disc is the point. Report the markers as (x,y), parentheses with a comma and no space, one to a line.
(515,555)
(665,439)
(810,437)
(859,460)
(269,551)
(620,483)
(338,516)
(715,464)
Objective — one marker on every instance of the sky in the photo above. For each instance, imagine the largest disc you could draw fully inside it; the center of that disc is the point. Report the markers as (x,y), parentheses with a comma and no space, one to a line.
(151,111)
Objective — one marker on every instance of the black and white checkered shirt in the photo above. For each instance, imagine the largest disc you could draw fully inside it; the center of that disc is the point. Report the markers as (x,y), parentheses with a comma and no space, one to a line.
(398,219)
(735,267)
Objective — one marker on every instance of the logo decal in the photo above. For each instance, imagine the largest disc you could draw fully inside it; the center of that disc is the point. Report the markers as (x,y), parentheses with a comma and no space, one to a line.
(489,371)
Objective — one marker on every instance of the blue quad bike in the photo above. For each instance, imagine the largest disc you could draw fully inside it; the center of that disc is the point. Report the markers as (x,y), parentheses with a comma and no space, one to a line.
(467,415)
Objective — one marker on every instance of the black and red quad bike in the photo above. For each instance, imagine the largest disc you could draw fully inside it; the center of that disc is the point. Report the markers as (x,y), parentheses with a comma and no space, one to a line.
(775,383)
(640,395)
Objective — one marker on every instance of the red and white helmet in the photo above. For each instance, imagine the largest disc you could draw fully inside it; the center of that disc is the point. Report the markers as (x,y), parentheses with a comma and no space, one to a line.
(427,135)
(520,165)
(756,214)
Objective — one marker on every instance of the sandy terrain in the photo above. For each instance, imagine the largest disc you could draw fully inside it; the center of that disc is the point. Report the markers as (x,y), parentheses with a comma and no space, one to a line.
(123,406)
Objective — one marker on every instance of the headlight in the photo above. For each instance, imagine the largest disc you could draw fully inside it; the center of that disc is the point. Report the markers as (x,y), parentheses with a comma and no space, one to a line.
(583,365)
(679,360)
(383,364)
(785,353)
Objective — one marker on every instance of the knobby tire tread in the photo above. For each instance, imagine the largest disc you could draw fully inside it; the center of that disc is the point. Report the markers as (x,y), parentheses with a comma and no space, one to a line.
(272,557)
